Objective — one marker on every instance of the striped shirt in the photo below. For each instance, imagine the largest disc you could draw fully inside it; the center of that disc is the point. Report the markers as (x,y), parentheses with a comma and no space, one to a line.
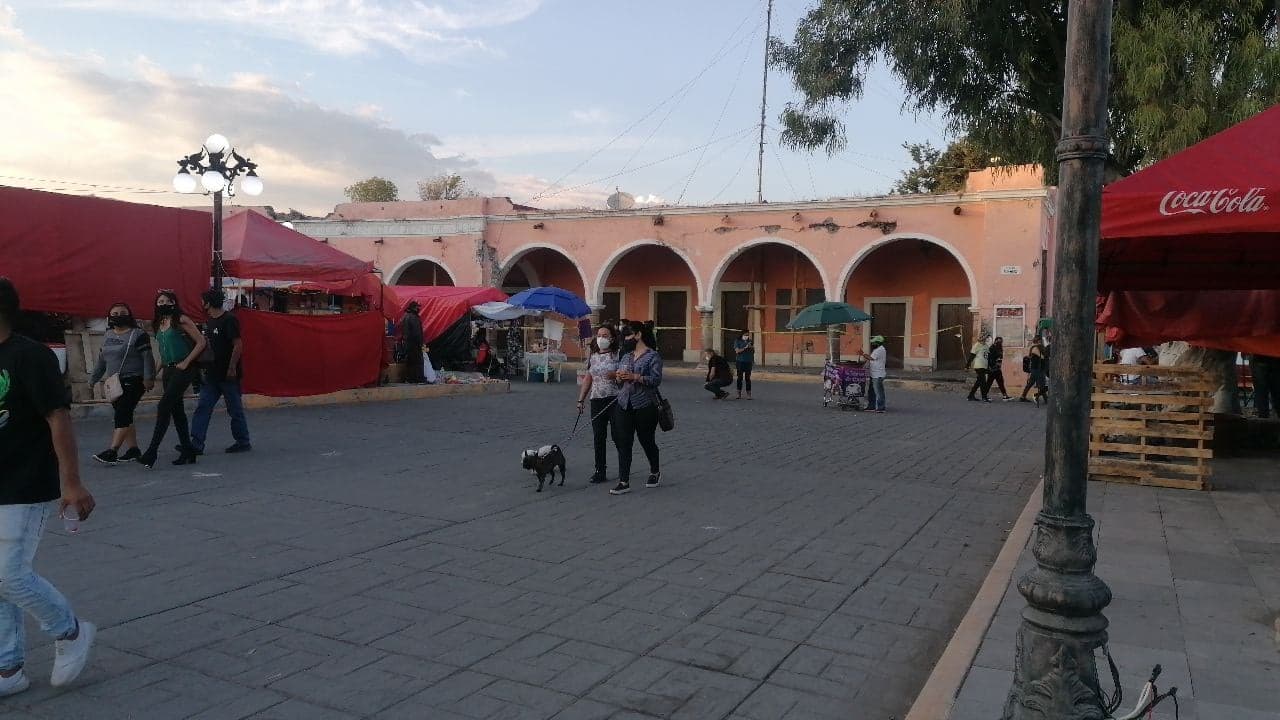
(642,393)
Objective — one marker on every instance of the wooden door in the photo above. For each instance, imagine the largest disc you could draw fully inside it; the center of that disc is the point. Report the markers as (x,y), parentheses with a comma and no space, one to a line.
(612,312)
(890,320)
(671,314)
(733,320)
(952,351)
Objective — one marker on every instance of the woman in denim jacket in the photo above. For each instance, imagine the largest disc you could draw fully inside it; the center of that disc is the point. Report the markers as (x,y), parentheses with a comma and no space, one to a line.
(636,413)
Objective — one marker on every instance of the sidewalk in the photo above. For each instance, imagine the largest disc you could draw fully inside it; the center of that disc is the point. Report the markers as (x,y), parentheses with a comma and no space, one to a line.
(945,381)
(1196,584)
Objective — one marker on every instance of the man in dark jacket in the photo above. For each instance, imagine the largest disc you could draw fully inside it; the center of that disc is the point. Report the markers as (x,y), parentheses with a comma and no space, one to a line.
(718,374)
(411,333)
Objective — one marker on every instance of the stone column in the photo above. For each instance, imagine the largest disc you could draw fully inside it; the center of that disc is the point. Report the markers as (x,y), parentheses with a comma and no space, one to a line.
(595,314)
(707,316)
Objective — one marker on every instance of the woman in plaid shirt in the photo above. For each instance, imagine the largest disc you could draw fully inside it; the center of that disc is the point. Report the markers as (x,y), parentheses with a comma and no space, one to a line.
(636,412)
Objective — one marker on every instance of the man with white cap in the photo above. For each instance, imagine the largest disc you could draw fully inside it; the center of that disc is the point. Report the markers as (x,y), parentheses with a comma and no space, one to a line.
(876,368)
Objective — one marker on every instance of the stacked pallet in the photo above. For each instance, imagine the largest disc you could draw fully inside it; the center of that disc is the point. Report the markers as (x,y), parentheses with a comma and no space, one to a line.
(1151,425)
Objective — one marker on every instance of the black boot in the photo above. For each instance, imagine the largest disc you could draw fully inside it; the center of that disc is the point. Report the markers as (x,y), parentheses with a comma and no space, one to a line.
(187,457)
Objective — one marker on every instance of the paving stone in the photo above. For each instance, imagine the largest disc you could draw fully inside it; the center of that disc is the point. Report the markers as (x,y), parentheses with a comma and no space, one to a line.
(298,710)
(175,632)
(357,619)
(670,690)
(723,650)
(765,618)
(444,639)
(662,598)
(358,686)
(270,653)
(568,666)
(621,628)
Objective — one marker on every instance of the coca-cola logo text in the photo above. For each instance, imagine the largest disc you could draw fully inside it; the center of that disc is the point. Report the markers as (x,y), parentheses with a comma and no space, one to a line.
(1213,202)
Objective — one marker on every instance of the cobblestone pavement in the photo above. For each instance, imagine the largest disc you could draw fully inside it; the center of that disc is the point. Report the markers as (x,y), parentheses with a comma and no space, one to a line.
(393,561)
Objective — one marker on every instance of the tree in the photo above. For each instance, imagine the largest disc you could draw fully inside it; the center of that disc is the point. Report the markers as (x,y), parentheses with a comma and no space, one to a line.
(445,186)
(374,189)
(1181,70)
(939,171)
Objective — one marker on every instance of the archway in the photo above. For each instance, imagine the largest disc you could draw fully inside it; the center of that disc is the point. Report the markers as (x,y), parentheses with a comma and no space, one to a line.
(541,265)
(646,280)
(759,287)
(920,294)
(419,271)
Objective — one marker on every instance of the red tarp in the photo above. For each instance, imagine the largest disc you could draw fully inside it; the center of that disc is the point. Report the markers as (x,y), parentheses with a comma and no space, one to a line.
(256,247)
(295,355)
(1240,320)
(78,255)
(1207,218)
(441,306)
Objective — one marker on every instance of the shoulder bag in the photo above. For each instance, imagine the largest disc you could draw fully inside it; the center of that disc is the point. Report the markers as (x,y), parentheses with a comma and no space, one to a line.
(666,417)
(112,386)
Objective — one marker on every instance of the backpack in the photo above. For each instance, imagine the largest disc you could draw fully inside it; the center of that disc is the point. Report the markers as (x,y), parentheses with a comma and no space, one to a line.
(1026,363)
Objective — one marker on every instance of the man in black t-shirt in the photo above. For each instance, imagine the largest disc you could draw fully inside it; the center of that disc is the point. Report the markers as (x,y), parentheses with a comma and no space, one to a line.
(38,465)
(221,376)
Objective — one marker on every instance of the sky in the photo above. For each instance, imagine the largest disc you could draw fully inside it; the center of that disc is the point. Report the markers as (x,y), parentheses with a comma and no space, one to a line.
(555,103)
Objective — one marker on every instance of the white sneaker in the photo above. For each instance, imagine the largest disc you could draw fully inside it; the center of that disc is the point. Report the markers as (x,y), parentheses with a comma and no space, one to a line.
(72,655)
(14,684)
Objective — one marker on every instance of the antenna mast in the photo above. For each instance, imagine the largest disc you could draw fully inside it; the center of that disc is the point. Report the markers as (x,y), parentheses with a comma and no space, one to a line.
(764,103)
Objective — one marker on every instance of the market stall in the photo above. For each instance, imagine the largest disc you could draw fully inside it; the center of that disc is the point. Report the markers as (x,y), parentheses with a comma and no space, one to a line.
(446,316)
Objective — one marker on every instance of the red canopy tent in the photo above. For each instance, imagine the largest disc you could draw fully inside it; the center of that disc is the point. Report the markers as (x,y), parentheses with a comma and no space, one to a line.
(256,247)
(439,306)
(1190,246)
(78,255)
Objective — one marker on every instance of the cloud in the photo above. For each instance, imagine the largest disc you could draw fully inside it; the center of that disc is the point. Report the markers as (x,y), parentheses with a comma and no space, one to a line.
(527,188)
(650,200)
(79,125)
(425,31)
(591,116)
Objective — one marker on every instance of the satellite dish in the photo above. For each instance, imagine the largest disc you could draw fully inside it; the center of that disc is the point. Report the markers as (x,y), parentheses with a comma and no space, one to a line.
(621,201)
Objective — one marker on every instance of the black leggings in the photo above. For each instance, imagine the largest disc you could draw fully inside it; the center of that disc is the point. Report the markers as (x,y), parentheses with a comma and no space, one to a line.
(628,423)
(601,421)
(744,374)
(996,378)
(128,402)
(171,406)
(979,383)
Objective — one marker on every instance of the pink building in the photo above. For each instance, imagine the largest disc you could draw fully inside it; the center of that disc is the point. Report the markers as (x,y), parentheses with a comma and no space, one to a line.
(932,269)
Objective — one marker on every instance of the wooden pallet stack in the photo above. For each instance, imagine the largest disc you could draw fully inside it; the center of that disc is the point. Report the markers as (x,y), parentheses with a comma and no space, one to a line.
(1151,426)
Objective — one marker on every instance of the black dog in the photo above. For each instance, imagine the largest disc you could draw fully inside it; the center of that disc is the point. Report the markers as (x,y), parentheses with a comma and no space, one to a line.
(542,462)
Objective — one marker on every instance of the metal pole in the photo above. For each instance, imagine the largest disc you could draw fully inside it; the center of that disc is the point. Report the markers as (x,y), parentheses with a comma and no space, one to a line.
(1055,672)
(217,240)
(764,103)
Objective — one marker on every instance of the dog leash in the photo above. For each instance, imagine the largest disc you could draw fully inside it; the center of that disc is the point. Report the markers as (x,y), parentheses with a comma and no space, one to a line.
(593,419)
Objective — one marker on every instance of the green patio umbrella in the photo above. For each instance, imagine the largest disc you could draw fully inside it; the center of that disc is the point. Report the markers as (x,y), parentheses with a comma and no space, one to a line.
(825,314)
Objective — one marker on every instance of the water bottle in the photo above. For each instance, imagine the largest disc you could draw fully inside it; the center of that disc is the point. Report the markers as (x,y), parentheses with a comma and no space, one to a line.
(71,518)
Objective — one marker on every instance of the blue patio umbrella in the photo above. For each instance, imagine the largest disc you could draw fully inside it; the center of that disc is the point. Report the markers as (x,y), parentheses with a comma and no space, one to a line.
(551,299)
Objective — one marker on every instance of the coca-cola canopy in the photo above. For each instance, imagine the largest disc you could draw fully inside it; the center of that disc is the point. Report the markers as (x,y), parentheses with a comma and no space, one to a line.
(1207,218)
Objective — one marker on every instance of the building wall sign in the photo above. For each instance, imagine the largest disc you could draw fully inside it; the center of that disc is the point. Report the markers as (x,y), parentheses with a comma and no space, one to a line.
(1011,270)
(1011,324)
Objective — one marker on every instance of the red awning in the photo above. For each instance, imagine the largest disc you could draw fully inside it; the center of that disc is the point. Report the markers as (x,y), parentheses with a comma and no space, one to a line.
(440,306)
(78,255)
(1239,320)
(256,247)
(1207,218)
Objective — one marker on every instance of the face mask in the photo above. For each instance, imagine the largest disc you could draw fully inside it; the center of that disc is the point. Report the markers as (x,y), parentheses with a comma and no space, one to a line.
(629,344)
(120,321)
(603,343)
(165,310)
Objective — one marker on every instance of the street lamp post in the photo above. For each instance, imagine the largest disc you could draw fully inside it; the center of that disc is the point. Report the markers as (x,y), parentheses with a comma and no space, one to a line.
(1055,674)
(214,170)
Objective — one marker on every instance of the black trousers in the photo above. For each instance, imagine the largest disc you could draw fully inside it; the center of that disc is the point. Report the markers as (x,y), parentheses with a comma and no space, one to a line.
(1266,387)
(717,386)
(128,402)
(171,407)
(1036,380)
(601,423)
(744,374)
(413,363)
(979,383)
(995,377)
(628,423)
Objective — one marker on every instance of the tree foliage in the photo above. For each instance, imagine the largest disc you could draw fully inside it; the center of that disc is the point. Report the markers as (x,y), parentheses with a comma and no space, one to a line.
(445,186)
(940,171)
(374,189)
(1181,70)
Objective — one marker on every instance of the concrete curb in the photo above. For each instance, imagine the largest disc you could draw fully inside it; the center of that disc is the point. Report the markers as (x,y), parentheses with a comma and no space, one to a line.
(815,379)
(938,696)
(147,408)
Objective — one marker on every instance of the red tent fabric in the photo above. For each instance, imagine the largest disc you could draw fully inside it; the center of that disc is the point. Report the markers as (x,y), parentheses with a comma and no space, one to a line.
(296,355)
(1207,218)
(441,306)
(78,255)
(1239,320)
(256,247)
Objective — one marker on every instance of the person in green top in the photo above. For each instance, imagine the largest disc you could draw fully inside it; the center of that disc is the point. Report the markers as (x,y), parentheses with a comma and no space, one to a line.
(180,346)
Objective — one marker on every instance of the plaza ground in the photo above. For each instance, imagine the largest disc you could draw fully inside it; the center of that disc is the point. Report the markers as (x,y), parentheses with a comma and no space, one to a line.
(392,560)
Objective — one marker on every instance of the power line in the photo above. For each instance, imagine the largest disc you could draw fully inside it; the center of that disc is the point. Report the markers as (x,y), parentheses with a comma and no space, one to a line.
(750,149)
(794,195)
(103,187)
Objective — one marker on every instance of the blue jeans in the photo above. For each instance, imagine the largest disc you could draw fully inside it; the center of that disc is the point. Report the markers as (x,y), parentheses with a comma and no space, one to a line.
(21,589)
(875,394)
(210,392)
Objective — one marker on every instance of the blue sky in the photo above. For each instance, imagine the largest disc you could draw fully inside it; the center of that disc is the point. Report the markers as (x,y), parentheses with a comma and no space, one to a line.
(515,94)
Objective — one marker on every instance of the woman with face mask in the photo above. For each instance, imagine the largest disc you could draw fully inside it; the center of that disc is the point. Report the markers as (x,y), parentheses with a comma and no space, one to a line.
(180,345)
(600,386)
(636,412)
(126,352)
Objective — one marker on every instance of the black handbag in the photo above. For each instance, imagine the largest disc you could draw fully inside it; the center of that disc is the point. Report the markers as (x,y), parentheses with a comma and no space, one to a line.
(666,417)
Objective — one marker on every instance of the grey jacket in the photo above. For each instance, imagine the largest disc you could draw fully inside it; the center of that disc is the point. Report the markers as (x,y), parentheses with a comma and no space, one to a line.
(132,361)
